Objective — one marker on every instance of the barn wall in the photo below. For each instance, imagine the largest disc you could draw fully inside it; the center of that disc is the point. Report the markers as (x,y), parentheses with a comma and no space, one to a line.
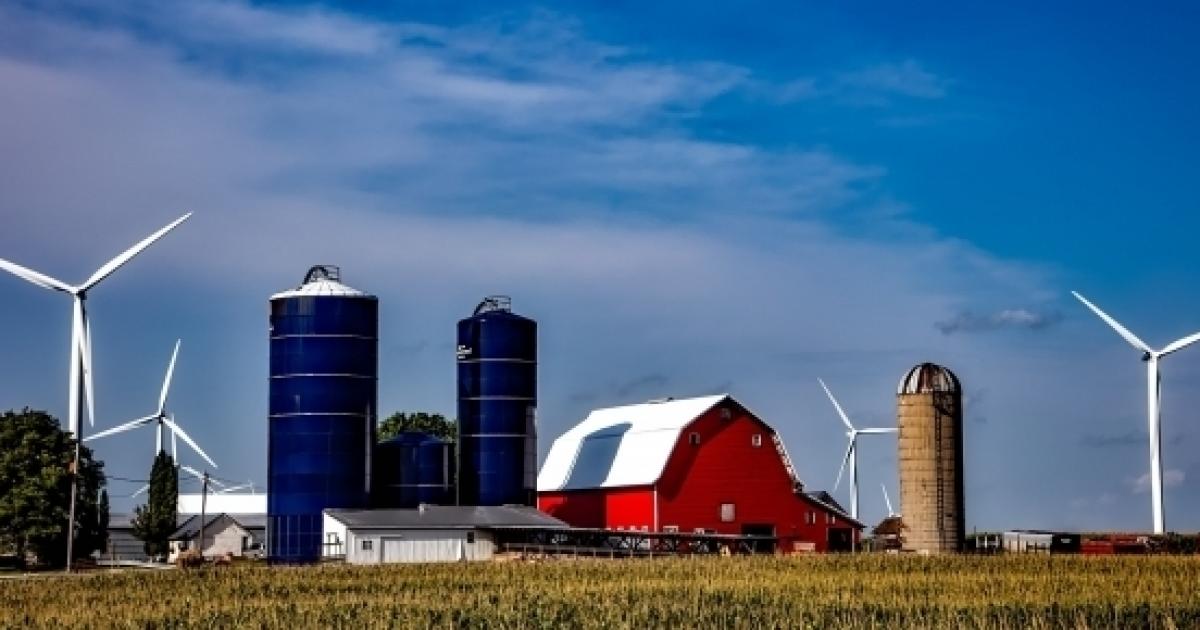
(612,507)
(726,468)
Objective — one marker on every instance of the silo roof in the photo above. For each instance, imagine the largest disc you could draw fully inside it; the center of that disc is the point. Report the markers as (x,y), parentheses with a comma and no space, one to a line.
(928,377)
(321,287)
(620,446)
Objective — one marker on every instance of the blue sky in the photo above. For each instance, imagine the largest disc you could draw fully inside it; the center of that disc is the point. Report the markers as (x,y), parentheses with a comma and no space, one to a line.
(719,198)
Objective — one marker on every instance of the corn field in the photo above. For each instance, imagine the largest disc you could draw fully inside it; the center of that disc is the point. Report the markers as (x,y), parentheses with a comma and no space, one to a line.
(865,591)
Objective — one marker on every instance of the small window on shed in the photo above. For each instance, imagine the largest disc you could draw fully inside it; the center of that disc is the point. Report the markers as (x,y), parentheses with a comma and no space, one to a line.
(367,544)
(470,537)
(727,513)
(694,438)
(756,440)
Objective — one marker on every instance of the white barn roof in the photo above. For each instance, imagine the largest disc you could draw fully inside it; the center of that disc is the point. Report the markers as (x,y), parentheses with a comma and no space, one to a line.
(620,446)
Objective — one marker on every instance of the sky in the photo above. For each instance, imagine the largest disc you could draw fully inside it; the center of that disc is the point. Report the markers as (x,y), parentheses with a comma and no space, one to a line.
(689,198)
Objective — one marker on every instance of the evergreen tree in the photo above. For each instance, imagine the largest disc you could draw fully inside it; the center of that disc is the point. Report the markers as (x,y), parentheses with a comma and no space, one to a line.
(35,488)
(155,521)
(434,424)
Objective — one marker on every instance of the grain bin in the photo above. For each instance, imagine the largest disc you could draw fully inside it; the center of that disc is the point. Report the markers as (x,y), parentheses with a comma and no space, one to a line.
(323,372)
(497,396)
(414,468)
(931,459)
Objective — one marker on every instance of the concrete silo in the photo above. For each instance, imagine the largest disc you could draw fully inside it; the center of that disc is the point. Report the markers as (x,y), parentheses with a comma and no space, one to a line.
(930,412)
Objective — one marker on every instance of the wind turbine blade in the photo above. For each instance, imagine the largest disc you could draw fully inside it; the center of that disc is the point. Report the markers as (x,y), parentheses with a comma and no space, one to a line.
(40,279)
(192,471)
(836,406)
(1121,330)
(1180,345)
(196,447)
(842,468)
(887,500)
(76,371)
(174,447)
(120,428)
(141,490)
(243,486)
(85,351)
(877,431)
(125,256)
(166,386)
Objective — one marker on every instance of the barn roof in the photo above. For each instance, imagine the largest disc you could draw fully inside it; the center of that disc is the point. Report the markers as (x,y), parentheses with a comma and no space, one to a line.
(620,446)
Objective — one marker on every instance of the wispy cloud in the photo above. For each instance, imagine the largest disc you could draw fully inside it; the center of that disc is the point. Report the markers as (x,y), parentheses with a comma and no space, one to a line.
(1171,477)
(907,78)
(973,322)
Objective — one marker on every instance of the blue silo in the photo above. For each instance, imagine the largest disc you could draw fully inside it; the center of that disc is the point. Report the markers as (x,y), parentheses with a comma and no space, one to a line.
(497,396)
(414,468)
(324,347)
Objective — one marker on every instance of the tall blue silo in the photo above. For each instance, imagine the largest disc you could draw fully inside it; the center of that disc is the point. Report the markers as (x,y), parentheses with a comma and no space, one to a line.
(324,357)
(414,468)
(497,396)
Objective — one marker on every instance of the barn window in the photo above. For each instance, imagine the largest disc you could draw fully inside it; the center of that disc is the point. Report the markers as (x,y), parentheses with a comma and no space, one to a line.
(727,513)
(726,414)
(756,440)
(470,537)
(810,518)
(830,518)
(367,545)
(694,439)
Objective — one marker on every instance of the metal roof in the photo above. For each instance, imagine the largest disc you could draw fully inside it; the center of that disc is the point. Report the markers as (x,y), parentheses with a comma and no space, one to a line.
(447,517)
(322,287)
(928,377)
(191,527)
(620,446)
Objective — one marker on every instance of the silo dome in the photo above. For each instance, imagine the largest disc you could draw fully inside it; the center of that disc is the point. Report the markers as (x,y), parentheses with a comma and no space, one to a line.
(928,378)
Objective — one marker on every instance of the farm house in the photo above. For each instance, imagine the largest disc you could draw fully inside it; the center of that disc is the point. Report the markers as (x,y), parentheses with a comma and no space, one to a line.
(691,465)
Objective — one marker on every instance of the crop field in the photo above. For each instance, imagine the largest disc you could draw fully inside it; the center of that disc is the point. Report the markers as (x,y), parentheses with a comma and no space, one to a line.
(868,591)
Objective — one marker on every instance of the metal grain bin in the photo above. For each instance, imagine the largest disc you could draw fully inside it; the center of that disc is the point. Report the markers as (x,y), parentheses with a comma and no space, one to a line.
(497,396)
(323,372)
(414,468)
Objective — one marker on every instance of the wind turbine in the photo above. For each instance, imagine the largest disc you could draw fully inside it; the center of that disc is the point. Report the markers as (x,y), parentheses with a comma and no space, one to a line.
(851,450)
(80,380)
(161,420)
(1153,400)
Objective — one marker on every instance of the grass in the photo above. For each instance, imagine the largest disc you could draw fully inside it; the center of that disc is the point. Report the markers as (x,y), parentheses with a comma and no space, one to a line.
(867,591)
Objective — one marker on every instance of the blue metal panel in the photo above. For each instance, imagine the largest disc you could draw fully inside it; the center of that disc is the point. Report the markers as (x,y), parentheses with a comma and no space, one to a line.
(414,468)
(322,416)
(497,395)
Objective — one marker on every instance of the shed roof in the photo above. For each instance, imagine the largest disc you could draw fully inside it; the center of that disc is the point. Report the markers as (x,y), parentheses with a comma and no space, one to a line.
(447,517)
(191,527)
(620,446)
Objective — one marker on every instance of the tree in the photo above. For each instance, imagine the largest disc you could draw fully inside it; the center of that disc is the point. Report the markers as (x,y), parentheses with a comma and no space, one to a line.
(154,522)
(434,424)
(35,489)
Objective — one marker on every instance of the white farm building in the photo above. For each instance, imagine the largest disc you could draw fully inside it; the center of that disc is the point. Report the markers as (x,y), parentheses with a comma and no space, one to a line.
(430,533)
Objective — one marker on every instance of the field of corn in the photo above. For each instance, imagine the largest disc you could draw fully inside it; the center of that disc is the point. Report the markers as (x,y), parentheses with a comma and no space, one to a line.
(866,591)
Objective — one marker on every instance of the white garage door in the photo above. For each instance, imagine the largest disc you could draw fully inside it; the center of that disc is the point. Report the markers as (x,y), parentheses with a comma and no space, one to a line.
(404,550)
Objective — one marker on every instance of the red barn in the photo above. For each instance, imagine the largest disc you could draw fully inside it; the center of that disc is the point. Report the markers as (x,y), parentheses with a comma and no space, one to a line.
(686,465)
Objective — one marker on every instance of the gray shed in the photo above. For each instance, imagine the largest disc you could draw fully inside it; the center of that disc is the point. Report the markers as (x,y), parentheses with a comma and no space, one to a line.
(431,533)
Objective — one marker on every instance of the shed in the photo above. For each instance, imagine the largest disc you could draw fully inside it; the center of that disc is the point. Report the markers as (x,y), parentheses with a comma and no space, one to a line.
(223,534)
(429,533)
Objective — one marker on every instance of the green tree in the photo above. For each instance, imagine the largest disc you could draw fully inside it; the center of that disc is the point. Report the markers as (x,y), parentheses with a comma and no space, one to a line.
(35,488)
(434,424)
(154,522)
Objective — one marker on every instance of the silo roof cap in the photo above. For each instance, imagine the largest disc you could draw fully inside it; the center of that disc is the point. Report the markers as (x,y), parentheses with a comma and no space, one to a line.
(321,280)
(929,377)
